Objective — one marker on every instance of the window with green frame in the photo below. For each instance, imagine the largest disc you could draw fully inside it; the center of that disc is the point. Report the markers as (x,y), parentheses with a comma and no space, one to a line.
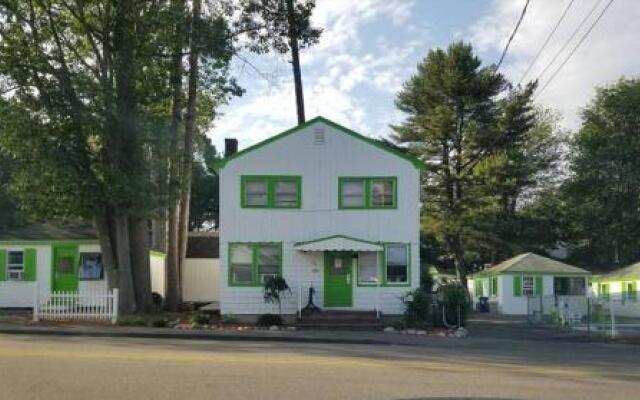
(397,263)
(494,285)
(367,192)
(271,191)
(251,264)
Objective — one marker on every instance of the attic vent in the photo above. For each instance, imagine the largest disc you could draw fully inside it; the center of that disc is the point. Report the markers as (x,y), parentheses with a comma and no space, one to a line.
(318,136)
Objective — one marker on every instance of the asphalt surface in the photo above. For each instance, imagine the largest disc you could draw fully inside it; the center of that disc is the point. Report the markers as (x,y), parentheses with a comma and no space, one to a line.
(69,368)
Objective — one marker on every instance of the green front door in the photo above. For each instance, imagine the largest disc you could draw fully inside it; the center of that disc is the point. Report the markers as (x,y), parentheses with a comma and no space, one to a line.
(65,267)
(338,275)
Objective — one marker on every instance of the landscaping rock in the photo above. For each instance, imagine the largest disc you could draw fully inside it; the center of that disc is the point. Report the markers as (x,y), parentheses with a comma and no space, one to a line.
(460,333)
(411,331)
(389,329)
(291,328)
(422,333)
(274,328)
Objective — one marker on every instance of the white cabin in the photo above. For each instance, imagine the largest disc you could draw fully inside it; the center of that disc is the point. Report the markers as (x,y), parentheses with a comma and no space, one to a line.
(323,207)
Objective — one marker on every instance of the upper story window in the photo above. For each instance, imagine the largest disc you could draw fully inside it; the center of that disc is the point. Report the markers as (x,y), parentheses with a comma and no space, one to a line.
(365,192)
(15,266)
(268,191)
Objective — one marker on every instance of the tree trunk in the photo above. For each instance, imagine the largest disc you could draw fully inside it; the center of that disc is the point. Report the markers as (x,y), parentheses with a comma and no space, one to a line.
(295,61)
(172,276)
(139,237)
(189,132)
(125,277)
(107,249)
(159,232)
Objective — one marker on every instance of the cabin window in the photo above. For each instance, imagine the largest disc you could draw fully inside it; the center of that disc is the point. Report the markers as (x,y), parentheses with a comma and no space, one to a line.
(271,191)
(628,290)
(569,286)
(254,263)
(397,263)
(604,290)
(370,193)
(527,285)
(368,267)
(15,266)
(91,268)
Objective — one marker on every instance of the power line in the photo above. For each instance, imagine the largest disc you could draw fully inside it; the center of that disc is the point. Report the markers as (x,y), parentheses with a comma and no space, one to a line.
(546,42)
(566,43)
(582,39)
(506,48)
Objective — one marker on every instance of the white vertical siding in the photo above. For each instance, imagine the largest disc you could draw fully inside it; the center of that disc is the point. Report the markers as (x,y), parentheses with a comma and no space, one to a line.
(157,265)
(320,166)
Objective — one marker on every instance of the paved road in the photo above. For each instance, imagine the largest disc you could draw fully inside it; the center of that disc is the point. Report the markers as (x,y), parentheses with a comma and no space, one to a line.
(72,368)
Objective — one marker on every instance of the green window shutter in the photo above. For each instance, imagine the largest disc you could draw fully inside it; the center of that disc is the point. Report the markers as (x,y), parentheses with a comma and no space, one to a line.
(29,264)
(479,287)
(537,289)
(634,287)
(517,286)
(494,286)
(3,265)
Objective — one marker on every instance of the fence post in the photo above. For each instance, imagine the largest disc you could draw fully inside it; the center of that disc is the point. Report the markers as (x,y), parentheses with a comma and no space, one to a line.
(115,301)
(36,301)
(613,318)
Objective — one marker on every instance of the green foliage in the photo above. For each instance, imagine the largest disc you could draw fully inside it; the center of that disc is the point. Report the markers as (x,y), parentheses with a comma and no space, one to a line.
(228,319)
(418,309)
(453,301)
(204,201)
(426,281)
(487,147)
(200,318)
(274,290)
(269,320)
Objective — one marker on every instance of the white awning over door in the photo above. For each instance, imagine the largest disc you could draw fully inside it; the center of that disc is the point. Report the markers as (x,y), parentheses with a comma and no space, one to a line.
(338,243)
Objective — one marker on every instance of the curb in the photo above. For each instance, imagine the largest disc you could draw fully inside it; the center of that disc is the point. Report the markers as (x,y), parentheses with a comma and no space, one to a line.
(201,336)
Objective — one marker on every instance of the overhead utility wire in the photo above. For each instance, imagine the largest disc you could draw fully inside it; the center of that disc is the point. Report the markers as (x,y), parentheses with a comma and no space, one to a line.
(566,43)
(546,42)
(506,48)
(582,39)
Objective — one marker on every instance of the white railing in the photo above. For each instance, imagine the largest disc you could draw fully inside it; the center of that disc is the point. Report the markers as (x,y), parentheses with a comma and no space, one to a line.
(91,305)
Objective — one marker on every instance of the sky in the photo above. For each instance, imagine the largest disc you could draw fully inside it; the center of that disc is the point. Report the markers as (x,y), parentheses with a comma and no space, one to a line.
(368,48)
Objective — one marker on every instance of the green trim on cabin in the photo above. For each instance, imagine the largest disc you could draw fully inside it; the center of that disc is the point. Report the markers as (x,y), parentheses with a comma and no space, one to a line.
(517,285)
(555,274)
(30,264)
(617,279)
(157,253)
(407,157)
(368,192)
(270,182)
(493,286)
(67,281)
(47,242)
(255,268)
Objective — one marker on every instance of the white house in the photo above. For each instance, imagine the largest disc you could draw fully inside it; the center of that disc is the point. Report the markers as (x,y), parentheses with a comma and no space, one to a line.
(324,207)
(621,288)
(529,283)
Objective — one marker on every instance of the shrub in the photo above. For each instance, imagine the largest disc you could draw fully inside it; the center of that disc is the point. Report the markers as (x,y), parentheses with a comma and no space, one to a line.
(453,303)
(274,290)
(417,313)
(426,281)
(269,320)
(160,323)
(199,318)
(228,319)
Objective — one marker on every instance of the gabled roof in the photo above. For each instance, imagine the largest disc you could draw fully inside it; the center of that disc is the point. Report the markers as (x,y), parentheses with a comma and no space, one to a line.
(338,243)
(532,263)
(49,232)
(413,160)
(630,271)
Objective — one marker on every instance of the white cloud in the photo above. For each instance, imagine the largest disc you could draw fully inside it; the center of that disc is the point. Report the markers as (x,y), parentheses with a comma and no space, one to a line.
(342,75)
(607,54)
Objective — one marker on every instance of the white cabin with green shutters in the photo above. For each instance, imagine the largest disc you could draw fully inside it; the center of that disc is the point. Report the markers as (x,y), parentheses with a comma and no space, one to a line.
(48,258)
(324,207)
(511,285)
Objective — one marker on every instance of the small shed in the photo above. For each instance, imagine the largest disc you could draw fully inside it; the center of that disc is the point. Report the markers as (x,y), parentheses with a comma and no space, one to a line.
(529,281)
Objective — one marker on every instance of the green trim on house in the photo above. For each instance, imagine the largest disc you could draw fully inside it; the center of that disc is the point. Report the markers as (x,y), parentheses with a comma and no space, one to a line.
(270,182)
(255,268)
(368,192)
(338,288)
(336,236)
(3,265)
(517,286)
(384,266)
(617,279)
(407,157)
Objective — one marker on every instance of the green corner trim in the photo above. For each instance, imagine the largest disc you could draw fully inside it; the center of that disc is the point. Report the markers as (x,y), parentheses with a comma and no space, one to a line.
(413,160)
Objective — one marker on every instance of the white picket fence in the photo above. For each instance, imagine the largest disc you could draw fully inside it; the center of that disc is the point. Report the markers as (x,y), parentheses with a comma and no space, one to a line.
(91,305)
